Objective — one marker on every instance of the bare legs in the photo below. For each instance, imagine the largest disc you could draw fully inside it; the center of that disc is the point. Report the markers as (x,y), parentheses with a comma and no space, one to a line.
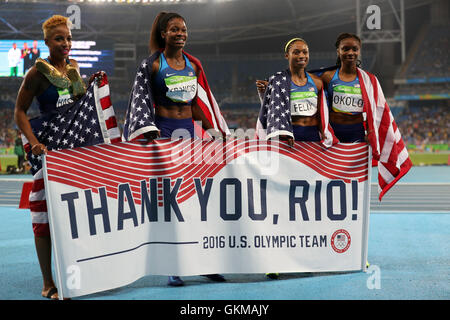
(44,253)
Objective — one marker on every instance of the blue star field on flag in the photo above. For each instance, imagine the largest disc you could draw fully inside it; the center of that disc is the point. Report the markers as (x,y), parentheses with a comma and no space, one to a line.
(275,113)
(70,126)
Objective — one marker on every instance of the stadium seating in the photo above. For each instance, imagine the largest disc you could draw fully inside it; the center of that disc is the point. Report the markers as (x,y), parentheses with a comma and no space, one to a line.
(431,59)
(240,103)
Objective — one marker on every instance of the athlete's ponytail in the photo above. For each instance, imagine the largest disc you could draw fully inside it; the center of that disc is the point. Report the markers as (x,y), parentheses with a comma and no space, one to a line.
(160,24)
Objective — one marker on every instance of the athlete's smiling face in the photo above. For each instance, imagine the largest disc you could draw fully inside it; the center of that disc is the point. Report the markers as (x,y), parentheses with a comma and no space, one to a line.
(59,42)
(176,33)
(298,54)
(348,51)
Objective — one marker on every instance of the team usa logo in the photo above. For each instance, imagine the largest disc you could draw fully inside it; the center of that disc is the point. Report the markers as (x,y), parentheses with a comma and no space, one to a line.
(340,241)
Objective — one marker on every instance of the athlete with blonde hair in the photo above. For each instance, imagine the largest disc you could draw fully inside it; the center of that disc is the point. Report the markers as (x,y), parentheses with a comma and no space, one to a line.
(53,81)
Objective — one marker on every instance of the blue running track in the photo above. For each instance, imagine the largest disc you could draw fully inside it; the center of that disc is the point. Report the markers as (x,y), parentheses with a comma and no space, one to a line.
(410,248)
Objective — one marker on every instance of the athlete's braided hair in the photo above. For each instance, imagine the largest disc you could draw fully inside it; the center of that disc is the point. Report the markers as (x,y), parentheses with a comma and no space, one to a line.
(343,36)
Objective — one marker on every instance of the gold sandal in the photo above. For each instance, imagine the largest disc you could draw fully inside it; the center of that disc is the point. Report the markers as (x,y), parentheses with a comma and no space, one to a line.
(52,74)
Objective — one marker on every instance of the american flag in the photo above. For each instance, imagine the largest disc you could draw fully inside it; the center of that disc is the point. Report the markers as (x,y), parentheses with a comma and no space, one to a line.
(389,152)
(183,161)
(388,149)
(140,116)
(85,122)
(275,114)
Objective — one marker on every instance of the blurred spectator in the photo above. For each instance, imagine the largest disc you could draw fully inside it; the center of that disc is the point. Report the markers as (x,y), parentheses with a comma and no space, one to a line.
(432,58)
(20,152)
(424,125)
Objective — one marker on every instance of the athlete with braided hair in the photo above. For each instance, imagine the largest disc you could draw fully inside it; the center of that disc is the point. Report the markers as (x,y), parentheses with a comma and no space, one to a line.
(344,90)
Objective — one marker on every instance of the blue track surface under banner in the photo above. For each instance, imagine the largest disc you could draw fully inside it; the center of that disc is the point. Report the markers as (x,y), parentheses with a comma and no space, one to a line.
(409,252)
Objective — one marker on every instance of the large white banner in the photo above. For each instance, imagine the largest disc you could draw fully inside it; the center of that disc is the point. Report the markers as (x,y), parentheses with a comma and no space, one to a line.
(122,211)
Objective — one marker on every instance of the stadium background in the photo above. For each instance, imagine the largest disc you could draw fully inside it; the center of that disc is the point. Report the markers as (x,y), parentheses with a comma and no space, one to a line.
(239,41)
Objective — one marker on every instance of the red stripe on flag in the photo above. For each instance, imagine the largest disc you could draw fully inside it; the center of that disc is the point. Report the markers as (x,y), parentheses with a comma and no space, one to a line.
(111,123)
(105,102)
(27,147)
(91,167)
(25,196)
(38,185)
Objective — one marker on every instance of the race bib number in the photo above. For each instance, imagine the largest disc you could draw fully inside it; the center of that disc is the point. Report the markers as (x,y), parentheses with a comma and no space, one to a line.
(64,97)
(347,99)
(181,88)
(303,103)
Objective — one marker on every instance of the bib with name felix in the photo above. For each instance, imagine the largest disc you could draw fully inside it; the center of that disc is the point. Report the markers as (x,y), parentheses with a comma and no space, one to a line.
(304,98)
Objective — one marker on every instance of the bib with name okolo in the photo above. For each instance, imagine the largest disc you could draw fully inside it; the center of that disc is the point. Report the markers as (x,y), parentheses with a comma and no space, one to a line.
(347,99)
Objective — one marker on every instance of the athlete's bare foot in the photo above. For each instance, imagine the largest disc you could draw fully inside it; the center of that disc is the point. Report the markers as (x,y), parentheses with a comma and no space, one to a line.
(50,293)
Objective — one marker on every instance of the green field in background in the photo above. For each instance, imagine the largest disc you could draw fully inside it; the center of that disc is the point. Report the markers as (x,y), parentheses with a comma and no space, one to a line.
(418,159)
(8,160)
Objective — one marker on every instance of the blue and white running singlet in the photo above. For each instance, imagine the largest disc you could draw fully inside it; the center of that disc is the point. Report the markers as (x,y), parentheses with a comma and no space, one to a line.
(174,87)
(345,96)
(304,98)
(304,103)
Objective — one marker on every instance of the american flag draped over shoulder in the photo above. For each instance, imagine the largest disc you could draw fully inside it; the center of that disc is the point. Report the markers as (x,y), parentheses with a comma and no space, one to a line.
(85,122)
(88,121)
(140,116)
(275,114)
(388,149)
